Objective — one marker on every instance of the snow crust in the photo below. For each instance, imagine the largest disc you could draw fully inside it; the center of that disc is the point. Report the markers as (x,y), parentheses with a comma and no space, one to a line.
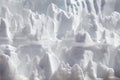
(59,40)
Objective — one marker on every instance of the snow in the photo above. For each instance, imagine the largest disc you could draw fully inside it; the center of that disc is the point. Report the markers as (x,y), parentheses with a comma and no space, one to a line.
(59,40)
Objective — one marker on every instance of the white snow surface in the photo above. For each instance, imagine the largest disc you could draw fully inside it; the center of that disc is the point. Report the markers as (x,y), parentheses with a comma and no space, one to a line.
(59,39)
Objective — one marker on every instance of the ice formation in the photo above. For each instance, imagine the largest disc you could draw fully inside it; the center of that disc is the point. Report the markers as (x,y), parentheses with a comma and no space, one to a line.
(59,40)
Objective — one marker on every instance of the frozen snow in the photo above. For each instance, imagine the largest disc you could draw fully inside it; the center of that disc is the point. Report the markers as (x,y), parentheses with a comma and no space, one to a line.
(59,40)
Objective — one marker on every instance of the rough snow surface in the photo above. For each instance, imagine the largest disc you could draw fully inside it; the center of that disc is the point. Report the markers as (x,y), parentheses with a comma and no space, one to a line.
(59,40)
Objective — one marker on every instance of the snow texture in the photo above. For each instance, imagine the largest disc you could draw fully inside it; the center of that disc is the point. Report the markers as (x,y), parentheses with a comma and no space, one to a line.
(59,39)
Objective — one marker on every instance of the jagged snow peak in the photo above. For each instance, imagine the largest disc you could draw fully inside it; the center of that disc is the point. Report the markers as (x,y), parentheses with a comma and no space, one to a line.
(59,40)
